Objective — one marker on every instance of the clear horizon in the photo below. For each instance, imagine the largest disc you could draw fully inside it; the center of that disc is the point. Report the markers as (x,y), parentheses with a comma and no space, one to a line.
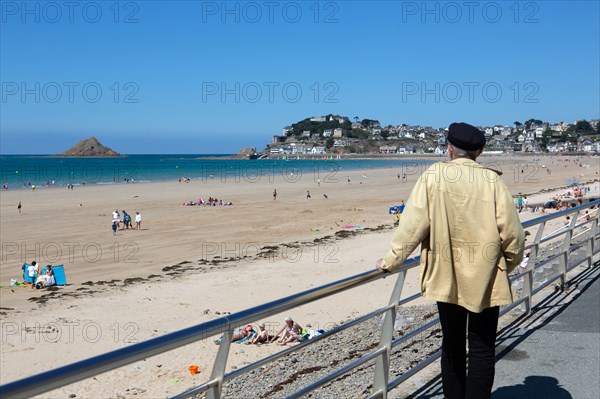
(215,77)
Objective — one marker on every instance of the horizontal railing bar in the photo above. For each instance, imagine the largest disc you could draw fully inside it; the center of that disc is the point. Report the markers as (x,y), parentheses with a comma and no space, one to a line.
(513,305)
(416,331)
(420,366)
(108,361)
(338,373)
(532,222)
(196,390)
(410,298)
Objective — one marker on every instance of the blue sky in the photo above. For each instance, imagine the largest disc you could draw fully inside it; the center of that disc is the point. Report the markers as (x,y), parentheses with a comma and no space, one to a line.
(214,77)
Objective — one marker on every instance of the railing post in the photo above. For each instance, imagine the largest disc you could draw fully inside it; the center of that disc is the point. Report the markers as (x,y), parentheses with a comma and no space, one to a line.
(528,289)
(528,278)
(382,365)
(592,245)
(218,370)
(564,259)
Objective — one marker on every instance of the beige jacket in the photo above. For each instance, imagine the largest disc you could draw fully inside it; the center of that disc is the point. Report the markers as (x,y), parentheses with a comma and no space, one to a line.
(463,216)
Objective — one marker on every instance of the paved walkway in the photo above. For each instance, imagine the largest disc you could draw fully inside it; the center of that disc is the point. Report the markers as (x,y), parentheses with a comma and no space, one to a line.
(554,353)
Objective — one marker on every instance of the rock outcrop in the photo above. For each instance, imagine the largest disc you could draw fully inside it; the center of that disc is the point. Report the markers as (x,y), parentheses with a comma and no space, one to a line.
(90,147)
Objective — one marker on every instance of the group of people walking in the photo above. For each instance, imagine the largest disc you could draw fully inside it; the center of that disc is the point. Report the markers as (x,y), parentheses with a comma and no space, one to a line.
(125,224)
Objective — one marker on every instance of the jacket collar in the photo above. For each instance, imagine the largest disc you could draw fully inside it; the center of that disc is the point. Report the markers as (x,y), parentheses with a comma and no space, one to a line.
(473,164)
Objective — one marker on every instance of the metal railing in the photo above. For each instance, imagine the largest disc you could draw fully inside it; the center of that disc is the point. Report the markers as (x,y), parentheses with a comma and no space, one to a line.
(586,241)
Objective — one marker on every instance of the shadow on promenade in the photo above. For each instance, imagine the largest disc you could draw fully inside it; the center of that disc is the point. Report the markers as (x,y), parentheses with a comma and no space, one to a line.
(534,387)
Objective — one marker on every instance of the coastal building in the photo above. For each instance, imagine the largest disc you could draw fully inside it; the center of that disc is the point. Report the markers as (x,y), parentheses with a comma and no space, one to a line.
(337,132)
(318,150)
(440,150)
(327,133)
(298,149)
(306,133)
(318,119)
(357,125)
(388,149)
(287,130)
(338,118)
(339,143)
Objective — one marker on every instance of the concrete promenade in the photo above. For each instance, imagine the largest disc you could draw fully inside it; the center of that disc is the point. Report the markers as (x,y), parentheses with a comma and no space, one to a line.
(553,353)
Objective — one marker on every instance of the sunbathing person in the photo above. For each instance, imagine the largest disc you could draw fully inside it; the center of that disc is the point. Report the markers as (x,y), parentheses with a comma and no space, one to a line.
(49,277)
(240,335)
(262,336)
(290,332)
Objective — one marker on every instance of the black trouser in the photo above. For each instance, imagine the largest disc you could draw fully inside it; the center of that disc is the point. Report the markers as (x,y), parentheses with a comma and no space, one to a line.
(482,342)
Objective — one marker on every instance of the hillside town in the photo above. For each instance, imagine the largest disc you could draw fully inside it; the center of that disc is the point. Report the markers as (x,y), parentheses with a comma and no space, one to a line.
(335,134)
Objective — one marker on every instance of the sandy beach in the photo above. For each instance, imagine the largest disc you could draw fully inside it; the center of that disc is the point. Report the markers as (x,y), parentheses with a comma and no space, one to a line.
(190,264)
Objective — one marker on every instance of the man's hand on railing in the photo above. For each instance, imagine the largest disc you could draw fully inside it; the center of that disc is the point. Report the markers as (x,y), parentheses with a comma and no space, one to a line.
(379,265)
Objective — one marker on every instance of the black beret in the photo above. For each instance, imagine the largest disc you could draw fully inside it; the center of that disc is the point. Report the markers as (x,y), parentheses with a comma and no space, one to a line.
(466,137)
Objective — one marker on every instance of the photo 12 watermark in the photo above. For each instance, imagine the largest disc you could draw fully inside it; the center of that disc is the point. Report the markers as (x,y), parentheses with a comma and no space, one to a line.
(69,92)
(53,172)
(225,172)
(469,92)
(71,12)
(269,92)
(68,252)
(68,332)
(253,12)
(324,252)
(453,12)
(518,172)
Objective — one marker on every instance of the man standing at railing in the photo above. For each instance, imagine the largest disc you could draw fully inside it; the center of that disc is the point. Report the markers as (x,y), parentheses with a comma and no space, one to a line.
(471,238)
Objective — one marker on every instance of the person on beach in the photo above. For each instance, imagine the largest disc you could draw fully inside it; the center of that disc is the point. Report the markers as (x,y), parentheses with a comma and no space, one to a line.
(472,214)
(240,335)
(126,220)
(290,332)
(275,195)
(261,336)
(33,270)
(114,227)
(308,194)
(19,207)
(138,221)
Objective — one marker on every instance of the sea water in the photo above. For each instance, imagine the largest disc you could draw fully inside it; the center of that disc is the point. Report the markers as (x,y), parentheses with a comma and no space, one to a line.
(23,171)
